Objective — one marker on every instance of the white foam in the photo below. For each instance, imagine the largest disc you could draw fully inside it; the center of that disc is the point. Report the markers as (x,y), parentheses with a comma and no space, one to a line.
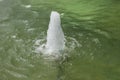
(55,38)
(55,35)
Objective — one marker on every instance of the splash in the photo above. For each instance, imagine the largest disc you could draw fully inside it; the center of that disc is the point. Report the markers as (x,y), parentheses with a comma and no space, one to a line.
(55,36)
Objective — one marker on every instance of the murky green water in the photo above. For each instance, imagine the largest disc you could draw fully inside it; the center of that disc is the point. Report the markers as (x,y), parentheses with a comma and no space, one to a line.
(92,30)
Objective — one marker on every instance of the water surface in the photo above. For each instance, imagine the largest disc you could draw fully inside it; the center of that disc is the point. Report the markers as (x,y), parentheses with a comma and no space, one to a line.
(91,30)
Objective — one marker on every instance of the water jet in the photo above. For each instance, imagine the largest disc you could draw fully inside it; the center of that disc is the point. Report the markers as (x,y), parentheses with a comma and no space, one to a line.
(55,36)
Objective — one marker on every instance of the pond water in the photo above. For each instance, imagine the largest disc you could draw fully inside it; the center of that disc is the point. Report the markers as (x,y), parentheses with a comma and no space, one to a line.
(92,32)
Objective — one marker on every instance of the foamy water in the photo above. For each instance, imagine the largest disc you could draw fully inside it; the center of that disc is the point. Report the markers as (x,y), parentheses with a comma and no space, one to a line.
(55,36)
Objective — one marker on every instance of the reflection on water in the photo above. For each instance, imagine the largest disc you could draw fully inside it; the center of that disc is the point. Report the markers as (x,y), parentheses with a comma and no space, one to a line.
(92,40)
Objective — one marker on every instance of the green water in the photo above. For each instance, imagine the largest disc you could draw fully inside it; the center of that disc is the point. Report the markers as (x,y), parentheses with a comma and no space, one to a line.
(92,32)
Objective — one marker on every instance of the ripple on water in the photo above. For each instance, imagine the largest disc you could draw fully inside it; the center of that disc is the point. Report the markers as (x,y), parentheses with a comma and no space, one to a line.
(70,44)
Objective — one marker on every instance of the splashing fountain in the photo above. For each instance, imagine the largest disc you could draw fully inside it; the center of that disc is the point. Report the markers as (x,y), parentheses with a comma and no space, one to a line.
(55,36)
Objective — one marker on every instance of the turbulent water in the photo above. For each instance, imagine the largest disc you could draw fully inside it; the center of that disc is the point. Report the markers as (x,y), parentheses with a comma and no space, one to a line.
(55,35)
(91,29)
